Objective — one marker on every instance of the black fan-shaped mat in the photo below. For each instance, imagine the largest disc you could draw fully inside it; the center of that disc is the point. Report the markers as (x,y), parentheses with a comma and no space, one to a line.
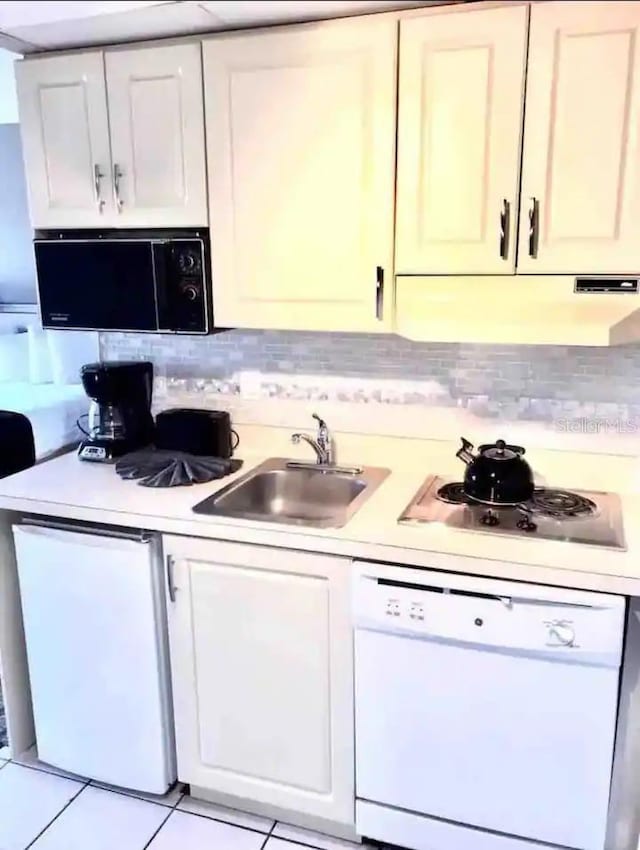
(160,468)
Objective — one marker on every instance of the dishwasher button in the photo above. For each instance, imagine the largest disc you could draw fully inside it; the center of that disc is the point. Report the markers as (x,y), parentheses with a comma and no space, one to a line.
(393,608)
(416,612)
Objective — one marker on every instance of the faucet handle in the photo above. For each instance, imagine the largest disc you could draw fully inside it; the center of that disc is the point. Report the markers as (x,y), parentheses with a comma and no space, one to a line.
(325,440)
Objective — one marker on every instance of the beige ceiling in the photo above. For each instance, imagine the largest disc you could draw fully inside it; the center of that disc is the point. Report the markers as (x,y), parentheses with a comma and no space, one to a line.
(31,25)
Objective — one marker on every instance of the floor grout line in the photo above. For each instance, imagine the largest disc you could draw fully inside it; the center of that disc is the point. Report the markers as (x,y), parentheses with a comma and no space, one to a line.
(220,820)
(205,817)
(270,833)
(100,787)
(304,843)
(170,811)
(71,777)
(63,809)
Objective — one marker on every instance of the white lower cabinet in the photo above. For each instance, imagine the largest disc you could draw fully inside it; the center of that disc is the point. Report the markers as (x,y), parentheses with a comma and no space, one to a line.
(261,652)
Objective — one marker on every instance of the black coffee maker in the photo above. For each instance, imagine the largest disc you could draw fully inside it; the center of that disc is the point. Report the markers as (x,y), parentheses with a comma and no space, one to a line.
(119,418)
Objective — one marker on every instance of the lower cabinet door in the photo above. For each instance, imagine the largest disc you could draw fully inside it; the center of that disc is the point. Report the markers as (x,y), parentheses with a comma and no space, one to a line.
(261,652)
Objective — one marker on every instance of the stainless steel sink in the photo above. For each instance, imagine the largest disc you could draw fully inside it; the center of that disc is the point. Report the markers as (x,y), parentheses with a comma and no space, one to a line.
(280,490)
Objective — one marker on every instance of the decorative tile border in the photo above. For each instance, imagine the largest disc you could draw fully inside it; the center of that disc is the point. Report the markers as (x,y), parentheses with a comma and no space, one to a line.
(597,387)
(313,388)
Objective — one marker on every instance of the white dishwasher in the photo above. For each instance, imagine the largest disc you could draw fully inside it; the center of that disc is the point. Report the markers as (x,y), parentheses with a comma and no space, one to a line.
(93,608)
(485,711)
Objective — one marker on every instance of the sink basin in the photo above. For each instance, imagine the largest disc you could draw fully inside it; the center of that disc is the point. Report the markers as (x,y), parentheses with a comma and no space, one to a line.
(289,492)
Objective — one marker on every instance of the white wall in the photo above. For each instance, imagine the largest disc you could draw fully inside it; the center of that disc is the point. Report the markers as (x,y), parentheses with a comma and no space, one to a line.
(17,269)
(8,99)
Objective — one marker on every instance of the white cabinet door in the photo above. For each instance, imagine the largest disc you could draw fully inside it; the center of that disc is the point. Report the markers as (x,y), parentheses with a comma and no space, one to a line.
(461,91)
(65,137)
(157,136)
(261,654)
(581,162)
(300,151)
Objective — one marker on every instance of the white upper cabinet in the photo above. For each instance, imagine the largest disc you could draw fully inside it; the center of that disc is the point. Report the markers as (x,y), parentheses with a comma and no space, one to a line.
(580,208)
(157,136)
(262,673)
(461,92)
(65,137)
(138,163)
(300,150)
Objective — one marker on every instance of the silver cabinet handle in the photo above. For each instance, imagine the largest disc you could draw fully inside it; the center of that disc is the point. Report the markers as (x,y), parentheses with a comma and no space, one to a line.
(534,227)
(379,292)
(171,588)
(97,177)
(117,174)
(505,222)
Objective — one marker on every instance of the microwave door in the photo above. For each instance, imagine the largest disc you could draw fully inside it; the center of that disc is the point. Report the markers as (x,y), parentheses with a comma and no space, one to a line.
(96,284)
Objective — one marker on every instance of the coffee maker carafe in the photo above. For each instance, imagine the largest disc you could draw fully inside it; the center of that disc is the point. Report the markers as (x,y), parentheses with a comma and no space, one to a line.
(119,418)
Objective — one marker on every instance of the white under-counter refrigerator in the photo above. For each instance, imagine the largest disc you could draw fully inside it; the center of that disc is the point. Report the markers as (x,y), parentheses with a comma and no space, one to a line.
(97,649)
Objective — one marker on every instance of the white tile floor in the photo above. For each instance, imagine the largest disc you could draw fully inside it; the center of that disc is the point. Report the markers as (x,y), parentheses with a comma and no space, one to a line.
(44,809)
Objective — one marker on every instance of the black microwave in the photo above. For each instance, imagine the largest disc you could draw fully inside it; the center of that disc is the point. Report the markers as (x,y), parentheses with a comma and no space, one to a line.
(125,280)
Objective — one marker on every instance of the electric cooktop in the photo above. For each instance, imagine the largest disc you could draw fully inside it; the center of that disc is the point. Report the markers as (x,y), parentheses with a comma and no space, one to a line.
(577,516)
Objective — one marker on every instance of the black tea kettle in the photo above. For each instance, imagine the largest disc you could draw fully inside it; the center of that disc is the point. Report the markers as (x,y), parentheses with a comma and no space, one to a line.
(497,474)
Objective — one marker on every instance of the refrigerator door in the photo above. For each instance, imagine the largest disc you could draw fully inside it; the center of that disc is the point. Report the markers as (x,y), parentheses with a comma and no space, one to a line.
(97,650)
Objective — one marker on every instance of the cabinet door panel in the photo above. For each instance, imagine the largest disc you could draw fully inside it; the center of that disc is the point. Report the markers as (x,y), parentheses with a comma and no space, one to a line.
(259,632)
(300,135)
(65,136)
(460,115)
(157,135)
(262,673)
(581,150)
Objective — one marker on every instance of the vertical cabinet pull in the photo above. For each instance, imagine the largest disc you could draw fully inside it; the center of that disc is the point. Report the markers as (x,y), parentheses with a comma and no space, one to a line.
(505,227)
(117,174)
(534,227)
(171,588)
(97,177)
(379,292)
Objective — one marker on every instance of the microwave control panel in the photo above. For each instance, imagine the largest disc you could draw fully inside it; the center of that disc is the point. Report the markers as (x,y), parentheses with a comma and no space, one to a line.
(186,288)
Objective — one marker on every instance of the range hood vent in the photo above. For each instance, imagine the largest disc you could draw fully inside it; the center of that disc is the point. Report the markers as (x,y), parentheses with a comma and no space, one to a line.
(511,310)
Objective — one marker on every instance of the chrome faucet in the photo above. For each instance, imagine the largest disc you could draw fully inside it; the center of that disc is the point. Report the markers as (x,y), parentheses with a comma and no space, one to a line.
(322,445)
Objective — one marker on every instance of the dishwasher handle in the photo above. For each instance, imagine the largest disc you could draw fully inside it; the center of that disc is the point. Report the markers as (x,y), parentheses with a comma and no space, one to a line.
(507,601)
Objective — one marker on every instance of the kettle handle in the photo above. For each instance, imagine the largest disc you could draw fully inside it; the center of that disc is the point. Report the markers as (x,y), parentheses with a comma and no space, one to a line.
(464,452)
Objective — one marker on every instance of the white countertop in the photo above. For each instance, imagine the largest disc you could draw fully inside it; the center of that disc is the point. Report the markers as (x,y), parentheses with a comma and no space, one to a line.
(68,488)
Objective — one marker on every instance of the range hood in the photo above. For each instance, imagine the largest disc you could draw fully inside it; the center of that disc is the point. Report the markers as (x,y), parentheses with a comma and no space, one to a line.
(520,309)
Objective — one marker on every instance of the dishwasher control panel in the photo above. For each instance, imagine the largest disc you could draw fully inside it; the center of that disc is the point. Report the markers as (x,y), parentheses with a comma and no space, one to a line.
(492,613)
(395,607)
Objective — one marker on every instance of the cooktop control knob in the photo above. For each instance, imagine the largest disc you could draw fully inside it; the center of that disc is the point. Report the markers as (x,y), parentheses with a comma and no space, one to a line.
(560,633)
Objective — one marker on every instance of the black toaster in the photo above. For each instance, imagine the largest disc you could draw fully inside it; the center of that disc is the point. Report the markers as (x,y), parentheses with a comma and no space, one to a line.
(198,432)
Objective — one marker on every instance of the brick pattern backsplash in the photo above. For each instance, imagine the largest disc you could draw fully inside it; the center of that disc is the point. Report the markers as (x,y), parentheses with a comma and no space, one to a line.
(523,382)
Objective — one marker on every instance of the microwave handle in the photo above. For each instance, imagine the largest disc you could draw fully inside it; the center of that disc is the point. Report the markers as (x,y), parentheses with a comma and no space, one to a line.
(160,256)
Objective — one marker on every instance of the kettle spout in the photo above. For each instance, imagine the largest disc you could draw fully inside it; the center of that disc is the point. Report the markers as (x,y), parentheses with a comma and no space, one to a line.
(464,452)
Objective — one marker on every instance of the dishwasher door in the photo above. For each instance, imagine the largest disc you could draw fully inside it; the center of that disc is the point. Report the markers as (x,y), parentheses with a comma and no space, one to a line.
(486,705)
(97,652)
